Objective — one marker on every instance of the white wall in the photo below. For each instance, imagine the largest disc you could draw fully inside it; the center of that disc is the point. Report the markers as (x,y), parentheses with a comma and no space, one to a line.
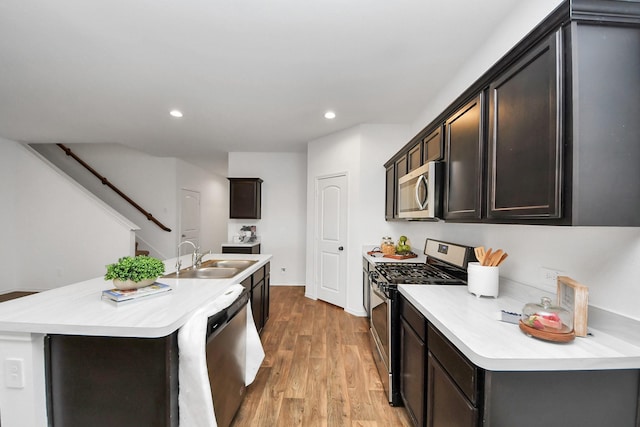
(283,223)
(360,153)
(152,182)
(214,202)
(56,233)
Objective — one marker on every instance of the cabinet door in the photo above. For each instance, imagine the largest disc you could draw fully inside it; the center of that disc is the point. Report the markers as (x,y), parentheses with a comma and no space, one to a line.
(390,193)
(446,405)
(413,352)
(415,157)
(112,381)
(464,155)
(257,304)
(267,291)
(432,146)
(401,167)
(245,198)
(525,143)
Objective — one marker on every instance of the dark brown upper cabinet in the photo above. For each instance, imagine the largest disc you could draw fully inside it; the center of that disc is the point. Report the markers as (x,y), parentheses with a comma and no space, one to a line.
(558,143)
(464,157)
(245,198)
(432,146)
(525,137)
(414,156)
(402,167)
(390,192)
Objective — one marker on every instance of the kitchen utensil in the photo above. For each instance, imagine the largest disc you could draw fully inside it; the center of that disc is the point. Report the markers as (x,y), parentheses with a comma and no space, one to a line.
(487,257)
(495,257)
(502,258)
(479,251)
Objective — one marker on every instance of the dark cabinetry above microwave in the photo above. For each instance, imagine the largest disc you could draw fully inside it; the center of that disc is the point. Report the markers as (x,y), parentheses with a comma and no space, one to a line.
(549,134)
(464,151)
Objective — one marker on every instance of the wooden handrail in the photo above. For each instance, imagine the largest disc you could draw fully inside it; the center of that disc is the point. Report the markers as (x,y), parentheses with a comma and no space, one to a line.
(106,182)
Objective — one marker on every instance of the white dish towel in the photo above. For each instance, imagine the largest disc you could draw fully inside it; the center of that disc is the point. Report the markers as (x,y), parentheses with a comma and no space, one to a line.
(194,397)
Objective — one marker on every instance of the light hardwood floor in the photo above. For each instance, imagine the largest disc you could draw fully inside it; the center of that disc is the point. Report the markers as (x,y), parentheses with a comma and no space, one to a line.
(318,370)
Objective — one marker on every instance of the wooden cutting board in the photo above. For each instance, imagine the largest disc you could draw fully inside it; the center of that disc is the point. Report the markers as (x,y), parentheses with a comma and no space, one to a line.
(405,256)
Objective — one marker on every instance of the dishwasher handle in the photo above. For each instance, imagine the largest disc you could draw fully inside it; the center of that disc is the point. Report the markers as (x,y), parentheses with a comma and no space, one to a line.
(221,318)
(216,321)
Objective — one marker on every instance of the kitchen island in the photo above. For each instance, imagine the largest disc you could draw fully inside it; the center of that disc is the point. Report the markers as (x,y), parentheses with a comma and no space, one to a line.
(77,310)
(513,379)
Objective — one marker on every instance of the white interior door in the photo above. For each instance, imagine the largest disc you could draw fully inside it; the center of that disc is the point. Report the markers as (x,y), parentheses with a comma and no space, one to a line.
(331,239)
(190,216)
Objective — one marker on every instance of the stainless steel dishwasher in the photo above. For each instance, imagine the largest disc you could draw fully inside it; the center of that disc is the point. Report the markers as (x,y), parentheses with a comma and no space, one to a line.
(226,358)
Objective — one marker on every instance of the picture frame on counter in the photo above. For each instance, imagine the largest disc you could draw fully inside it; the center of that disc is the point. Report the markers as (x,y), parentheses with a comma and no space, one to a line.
(574,296)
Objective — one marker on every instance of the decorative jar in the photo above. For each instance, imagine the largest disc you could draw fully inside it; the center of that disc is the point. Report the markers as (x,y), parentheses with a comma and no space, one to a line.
(387,246)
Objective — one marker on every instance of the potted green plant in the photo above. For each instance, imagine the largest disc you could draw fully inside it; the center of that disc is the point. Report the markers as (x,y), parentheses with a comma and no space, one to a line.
(134,272)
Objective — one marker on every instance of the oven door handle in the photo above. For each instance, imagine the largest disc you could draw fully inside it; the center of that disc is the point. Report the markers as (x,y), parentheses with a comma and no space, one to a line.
(379,291)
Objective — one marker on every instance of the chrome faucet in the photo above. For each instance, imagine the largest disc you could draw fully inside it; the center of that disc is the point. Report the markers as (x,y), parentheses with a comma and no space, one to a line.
(193,256)
(198,258)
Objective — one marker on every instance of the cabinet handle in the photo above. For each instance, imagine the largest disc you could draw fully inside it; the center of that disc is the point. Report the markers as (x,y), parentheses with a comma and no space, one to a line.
(422,204)
(340,248)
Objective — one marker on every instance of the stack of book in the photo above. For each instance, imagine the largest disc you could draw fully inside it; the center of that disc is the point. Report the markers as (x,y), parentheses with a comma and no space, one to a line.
(119,296)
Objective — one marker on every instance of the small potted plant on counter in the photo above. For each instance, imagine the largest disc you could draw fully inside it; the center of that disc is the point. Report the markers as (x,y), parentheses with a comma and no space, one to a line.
(134,272)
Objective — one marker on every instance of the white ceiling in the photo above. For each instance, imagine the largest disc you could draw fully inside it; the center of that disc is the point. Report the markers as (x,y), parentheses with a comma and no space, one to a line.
(249,75)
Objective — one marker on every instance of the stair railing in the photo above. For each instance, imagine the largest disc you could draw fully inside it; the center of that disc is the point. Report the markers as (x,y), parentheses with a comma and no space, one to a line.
(106,182)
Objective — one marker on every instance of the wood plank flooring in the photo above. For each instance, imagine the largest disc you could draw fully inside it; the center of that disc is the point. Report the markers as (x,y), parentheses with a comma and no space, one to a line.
(318,370)
(13,295)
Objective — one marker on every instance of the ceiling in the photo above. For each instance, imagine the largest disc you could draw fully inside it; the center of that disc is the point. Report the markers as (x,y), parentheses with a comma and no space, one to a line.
(249,75)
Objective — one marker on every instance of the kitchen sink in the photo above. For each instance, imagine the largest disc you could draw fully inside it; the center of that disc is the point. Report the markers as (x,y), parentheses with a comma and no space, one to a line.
(205,273)
(240,264)
(213,269)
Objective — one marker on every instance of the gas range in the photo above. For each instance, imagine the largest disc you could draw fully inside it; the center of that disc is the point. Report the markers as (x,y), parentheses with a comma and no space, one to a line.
(446,265)
(395,273)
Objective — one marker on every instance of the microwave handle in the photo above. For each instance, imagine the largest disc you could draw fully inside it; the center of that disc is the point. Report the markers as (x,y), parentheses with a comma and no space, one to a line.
(422,204)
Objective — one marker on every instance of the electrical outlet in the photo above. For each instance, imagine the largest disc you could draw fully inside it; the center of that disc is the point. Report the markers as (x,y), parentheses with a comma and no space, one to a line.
(14,373)
(549,278)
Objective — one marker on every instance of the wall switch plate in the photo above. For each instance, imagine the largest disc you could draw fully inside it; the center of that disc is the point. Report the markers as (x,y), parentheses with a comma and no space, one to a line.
(549,278)
(14,373)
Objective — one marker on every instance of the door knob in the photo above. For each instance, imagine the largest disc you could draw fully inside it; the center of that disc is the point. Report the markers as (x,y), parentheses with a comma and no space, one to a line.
(340,248)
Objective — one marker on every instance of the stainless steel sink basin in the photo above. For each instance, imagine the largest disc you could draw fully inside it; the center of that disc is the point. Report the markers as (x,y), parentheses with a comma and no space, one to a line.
(204,273)
(240,264)
(213,269)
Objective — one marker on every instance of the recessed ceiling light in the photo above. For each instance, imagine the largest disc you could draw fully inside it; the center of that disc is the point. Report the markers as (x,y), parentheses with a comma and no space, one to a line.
(329,115)
(175,113)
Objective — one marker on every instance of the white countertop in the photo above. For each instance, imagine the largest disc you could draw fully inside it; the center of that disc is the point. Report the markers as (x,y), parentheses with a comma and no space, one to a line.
(78,309)
(472,325)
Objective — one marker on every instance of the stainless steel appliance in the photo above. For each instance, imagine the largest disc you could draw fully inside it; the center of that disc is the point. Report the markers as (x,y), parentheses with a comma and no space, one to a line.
(420,192)
(226,358)
(446,264)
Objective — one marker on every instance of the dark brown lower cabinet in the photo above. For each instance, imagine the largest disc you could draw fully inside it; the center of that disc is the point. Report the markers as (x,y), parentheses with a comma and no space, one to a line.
(112,381)
(259,297)
(257,304)
(447,406)
(255,249)
(413,373)
(413,369)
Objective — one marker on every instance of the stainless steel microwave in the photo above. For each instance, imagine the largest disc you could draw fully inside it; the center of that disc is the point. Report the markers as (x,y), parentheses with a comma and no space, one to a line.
(420,192)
